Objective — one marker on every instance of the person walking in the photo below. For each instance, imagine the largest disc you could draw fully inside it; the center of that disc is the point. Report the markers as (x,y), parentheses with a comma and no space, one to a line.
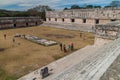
(69,48)
(5,36)
(64,47)
(72,46)
(61,46)
(80,35)
(13,40)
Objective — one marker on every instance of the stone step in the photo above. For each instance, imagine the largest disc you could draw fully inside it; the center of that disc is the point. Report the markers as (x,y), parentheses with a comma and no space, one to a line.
(92,65)
(88,63)
(71,26)
(64,63)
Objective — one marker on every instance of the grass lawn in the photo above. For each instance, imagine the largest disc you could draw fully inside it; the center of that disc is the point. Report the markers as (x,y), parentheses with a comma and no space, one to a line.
(23,56)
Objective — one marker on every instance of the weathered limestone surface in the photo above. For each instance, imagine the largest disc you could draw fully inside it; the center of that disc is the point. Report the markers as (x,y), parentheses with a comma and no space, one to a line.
(62,64)
(106,32)
(93,67)
(89,63)
(14,22)
(88,16)
(73,26)
(113,72)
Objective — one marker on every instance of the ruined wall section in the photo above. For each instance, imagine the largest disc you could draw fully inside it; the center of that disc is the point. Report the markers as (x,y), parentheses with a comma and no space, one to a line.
(14,22)
(107,32)
(87,16)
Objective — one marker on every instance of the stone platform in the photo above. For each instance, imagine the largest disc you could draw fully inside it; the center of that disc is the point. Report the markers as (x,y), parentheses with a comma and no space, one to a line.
(89,63)
(70,26)
(41,41)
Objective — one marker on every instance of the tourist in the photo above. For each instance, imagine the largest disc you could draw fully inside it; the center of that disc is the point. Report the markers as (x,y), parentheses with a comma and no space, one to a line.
(61,46)
(72,46)
(69,47)
(5,36)
(80,34)
(13,40)
(64,47)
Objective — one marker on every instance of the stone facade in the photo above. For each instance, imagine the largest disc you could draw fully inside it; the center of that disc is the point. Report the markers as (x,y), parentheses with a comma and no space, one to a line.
(107,32)
(84,16)
(13,22)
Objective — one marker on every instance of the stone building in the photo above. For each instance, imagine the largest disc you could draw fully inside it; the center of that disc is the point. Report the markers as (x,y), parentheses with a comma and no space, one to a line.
(105,33)
(13,22)
(84,16)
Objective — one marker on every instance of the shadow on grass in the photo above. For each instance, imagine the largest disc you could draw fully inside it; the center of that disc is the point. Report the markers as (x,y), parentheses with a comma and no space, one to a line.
(56,57)
(2,49)
(5,76)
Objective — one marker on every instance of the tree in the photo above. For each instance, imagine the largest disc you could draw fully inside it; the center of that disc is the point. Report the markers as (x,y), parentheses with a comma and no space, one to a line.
(97,6)
(66,8)
(89,6)
(115,3)
(39,11)
(75,6)
(41,8)
(107,6)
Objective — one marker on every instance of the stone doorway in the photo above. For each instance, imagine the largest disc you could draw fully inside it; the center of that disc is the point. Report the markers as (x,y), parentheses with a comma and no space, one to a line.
(113,19)
(84,20)
(72,20)
(63,20)
(97,21)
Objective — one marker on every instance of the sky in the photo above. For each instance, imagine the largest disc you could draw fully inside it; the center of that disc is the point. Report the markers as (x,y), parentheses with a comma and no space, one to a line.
(22,5)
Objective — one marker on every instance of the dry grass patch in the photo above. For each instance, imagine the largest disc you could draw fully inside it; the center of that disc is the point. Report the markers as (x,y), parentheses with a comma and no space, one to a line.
(23,56)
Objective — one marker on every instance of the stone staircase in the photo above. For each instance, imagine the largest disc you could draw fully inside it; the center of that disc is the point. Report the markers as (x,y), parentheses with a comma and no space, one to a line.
(63,63)
(93,67)
(88,63)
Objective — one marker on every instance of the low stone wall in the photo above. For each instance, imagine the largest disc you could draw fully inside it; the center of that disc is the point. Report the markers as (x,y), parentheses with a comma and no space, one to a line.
(14,22)
(101,41)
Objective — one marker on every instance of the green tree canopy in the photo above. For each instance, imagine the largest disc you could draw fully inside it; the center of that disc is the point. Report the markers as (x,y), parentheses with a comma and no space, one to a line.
(115,3)
(75,6)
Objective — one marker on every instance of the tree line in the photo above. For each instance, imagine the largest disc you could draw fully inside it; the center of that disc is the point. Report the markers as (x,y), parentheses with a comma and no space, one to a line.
(40,10)
(115,3)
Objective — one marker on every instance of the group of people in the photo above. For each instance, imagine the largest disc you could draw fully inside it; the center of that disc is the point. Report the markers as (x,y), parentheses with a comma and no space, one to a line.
(66,48)
(5,37)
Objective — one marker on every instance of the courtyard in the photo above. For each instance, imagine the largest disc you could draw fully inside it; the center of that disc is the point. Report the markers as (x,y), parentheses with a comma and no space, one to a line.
(22,56)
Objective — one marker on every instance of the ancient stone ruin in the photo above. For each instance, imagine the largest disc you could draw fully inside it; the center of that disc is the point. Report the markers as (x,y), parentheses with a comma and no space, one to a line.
(107,32)
(41,41)
(91,62)
(84,16)
(15,22)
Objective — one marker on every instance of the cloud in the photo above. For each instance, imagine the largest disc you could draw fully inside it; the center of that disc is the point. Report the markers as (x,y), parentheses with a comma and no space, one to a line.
(25,5)
(57,4)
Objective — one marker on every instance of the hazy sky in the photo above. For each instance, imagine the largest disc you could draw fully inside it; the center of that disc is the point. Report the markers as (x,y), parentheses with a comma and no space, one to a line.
(56,4)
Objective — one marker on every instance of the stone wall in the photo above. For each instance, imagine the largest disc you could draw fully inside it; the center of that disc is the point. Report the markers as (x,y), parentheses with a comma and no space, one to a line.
(101,41)
(107,32)
(92,16)
(13,22)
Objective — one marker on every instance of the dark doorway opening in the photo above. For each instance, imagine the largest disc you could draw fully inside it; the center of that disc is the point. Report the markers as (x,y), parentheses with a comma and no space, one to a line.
(63,20)
(72,20)
(55,19)
(26,24)
(49,19)
(113,19)
(84,20)
(97,21)
(14,25)
(36,23)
